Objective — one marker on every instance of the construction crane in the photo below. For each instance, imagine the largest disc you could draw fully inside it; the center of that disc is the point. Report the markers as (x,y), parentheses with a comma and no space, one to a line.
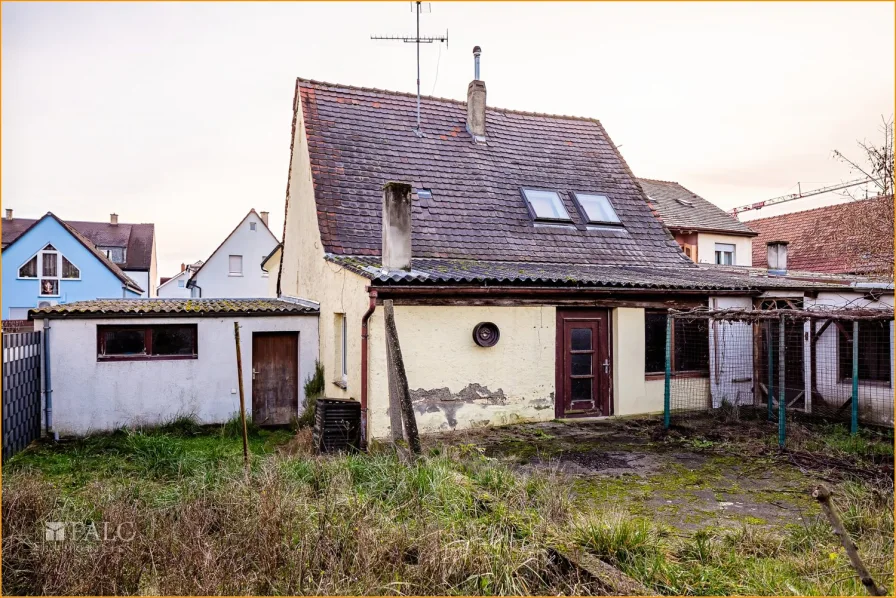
(799,195)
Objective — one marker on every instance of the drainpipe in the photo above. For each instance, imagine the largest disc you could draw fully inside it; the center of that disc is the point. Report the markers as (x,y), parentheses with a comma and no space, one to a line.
(48,385)
(364,322)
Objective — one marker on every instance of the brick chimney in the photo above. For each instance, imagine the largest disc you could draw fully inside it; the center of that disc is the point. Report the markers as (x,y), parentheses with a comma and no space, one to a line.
(397,226)
(183,266)
(777,257)
(264,217)
(476,103)
(9,213)
(113,219)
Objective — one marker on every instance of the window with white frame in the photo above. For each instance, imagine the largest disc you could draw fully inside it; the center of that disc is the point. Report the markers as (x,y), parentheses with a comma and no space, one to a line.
(546,205)
(252,225)
(116,254)
(596,208)
(236,265)
(181,283)
(49,267)
(340,329)
(725,254)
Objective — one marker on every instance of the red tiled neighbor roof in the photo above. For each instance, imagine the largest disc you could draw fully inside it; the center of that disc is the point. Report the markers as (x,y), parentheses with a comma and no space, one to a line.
(820,239)
(360,139)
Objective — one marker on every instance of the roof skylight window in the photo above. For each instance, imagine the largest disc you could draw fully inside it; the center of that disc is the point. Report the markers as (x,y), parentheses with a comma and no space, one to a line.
(546,205)
(424,193)
(597,208)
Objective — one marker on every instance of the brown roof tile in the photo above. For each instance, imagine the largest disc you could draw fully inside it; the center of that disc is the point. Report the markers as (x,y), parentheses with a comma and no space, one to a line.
(681,208)
(360,139)
(821,240)
(136,238)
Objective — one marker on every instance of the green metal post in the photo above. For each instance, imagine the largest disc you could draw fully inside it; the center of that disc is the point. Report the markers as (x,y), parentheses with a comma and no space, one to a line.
(667,389)
(854,428)
(782,395)
(771,370)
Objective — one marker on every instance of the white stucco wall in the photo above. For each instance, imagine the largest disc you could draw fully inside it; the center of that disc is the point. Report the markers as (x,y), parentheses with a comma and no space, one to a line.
(706,248)
(90,395)
(254,245)
(142,280)
(875,399)
(173,289)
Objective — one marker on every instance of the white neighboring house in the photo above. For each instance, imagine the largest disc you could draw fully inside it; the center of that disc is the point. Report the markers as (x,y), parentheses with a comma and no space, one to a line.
(234,269)
(176,286)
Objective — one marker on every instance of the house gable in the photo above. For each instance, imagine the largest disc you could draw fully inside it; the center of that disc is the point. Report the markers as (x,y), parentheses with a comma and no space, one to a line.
(214,277)
(98,278)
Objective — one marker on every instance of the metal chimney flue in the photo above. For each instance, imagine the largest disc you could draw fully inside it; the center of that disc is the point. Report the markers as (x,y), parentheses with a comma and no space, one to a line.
(777,257)
(477,52)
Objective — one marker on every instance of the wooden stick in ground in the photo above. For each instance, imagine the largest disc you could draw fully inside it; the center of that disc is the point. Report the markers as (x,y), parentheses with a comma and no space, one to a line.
(239,377)
(823,496)
(404,394)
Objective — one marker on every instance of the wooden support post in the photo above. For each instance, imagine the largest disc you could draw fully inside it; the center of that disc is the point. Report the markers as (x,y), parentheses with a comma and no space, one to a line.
(854,427)
(823,496)
(667,388)
(239,376)
(395,426)
(401,377)
(771,368)
(782,394)
(757,363)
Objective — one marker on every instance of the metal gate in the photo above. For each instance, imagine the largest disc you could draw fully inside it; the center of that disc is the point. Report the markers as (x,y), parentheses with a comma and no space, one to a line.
(21,391)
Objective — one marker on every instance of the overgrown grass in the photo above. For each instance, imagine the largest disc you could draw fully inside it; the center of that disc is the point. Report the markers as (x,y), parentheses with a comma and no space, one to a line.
(805,559)
(454,522)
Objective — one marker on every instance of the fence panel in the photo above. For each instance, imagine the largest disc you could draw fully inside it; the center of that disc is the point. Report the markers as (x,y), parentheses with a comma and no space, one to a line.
(835,364)
(21,391)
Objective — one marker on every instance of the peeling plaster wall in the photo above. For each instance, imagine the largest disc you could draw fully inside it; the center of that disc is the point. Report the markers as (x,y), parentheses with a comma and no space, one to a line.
(455,383)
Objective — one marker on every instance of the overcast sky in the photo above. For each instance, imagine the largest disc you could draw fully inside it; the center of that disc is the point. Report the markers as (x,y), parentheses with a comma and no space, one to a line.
(180,114)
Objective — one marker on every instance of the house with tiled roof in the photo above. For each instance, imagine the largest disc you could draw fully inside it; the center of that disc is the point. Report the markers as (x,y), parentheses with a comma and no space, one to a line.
(529,272)
(176,286)
(234,269)
(704,231)
(845,238)
(50,261)
(131,247)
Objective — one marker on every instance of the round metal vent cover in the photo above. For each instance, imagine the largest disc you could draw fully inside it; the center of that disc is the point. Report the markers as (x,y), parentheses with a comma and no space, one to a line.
(486,334)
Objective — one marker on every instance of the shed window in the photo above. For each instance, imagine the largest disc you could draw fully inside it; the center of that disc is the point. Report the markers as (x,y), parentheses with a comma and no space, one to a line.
(725,254)
(874,351)
(597,208)
(546,205)
(159,341)
(236,265)
(690,345)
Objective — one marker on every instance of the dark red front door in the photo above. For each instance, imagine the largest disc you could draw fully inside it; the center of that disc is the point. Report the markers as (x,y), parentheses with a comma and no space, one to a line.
(583,364)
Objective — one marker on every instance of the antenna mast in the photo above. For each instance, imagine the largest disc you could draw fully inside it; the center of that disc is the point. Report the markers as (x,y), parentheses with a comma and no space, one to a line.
(418,7)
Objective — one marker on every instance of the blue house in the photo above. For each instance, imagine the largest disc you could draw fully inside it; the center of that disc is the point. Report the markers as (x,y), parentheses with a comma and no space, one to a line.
(51,263)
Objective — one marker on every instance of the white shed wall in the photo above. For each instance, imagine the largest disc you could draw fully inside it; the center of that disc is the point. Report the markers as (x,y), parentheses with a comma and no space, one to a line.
(90,395)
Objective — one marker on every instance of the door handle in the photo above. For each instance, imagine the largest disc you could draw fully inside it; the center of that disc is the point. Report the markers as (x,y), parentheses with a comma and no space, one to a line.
(606,365)
(253,373)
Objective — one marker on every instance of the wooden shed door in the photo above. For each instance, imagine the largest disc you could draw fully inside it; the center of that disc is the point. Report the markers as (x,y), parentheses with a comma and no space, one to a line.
(583,364)
(275,377)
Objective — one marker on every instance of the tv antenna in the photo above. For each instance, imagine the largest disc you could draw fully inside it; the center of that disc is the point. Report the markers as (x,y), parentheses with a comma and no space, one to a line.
(418,7)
